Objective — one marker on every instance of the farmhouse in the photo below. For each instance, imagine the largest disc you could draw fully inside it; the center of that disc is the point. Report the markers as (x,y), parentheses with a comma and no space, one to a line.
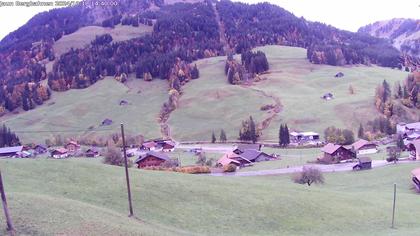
(72,146)
(39,149)
(10,151)
(256,156)
(364,147)
(364,164)
(304,137)
(334,153)
(415,176)
(92,152)
(151,159)
(242,147)
(59,153)
(150,146)
(233,156)
(414,149)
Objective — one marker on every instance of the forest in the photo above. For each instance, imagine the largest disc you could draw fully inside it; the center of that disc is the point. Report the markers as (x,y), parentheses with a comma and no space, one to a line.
(248,26)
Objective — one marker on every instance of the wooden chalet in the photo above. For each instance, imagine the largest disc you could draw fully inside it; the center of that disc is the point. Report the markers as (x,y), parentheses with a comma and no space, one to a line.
(152,159)
(59,153)
(414,149)
(415,177)
(334,153)
(39,149)
(92,152)
(168,146)
(238,159)
(364,147)
(10,151)
(256,156)
(72,146)
(364,164)
(149,146)
(242,147)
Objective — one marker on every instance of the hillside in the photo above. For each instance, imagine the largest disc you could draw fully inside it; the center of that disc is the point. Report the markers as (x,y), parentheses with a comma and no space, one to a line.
(404,33)
(210,99)
(85,197)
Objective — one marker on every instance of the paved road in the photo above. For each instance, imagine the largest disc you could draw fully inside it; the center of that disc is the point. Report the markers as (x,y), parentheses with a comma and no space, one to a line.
(324,168)
(222,148)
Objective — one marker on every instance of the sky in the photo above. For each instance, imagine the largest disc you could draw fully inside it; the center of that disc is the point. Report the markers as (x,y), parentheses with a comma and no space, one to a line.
(343,14)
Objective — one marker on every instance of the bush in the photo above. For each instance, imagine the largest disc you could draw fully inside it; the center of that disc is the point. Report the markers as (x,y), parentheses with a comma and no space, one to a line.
(229,168)
(186,169)
(114,157)
(309,176)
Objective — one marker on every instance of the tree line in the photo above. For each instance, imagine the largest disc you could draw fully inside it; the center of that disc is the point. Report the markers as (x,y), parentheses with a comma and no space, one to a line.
(8,138)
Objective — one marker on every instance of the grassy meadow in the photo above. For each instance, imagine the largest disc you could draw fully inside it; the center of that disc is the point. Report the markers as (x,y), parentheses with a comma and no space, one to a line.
(77,110)
(299,85)
(86,197)
(83,36)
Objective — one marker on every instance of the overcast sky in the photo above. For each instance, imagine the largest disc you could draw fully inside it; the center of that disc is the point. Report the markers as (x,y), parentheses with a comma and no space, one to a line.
(343,14)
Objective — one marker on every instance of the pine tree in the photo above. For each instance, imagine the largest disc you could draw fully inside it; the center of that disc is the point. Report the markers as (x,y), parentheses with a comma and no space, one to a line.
(386,91)
(222,138)
(281,135)
(286,135)
(400,142)
(361,132)
(213,138)
(252,130)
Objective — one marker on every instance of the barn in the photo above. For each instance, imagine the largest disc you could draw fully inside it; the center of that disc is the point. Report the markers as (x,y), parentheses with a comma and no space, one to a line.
(364,147)
(152,159)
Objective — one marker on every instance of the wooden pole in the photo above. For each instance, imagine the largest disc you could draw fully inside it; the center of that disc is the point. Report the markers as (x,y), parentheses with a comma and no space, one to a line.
(393,206)
(6,209)
(130,205)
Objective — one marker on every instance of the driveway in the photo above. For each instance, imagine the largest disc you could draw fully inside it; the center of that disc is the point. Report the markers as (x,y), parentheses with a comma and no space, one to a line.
(324,168)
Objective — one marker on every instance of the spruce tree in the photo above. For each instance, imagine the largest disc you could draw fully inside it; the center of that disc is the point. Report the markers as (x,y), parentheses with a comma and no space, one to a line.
(252,130)
(281,135)
(223,138)
(286,135)
(213,138)
(361,131)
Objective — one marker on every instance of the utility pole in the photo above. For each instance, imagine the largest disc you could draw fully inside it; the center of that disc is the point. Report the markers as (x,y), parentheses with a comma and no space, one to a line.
(393,206)
(6,210)
(130,205)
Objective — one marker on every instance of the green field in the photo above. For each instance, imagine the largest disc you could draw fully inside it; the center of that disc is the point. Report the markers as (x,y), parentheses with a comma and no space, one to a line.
(210,103)
(77,110)
(85,35)
(86,197)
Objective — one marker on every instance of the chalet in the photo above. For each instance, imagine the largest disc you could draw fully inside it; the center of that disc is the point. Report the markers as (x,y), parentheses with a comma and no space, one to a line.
(339,75)
(72,146)
(327,96)
(106,122)
(242,147)
(414,149)
(224,161)
(10,151)
(304,137)
(152,159)
(415,176)
(233,156)
(59,153)
(149,146)
(256,156)
(92,152)
(168,146)
(39,149)
(364,147)
(334,153)
(364,164)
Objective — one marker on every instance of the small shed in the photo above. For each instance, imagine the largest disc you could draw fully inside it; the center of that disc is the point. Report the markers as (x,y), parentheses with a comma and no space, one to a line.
(92,152)
(106,122)
(327,96)
(339,75)
(365,163)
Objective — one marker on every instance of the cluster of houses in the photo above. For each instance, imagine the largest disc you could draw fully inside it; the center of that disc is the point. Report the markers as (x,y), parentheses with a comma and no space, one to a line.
(334,153)
(71,149)
(411,137)
(154,153)
(245,155)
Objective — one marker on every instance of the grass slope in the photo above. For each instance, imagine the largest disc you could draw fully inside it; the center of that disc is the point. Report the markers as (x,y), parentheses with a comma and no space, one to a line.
(80,109)
(85,35)
(299,85)
(71,196)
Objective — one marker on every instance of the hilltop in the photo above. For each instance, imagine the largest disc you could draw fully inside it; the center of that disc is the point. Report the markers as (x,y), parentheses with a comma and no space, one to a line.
(403,33)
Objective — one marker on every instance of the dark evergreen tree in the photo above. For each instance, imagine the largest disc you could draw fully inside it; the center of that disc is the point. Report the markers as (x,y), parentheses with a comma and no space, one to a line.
(361,132)
(252,130)
(286,135)
(223,137)
(195,73)
(213,138)
(281,135)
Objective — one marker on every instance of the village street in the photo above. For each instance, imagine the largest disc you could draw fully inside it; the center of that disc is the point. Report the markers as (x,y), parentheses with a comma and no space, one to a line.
(324,168)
